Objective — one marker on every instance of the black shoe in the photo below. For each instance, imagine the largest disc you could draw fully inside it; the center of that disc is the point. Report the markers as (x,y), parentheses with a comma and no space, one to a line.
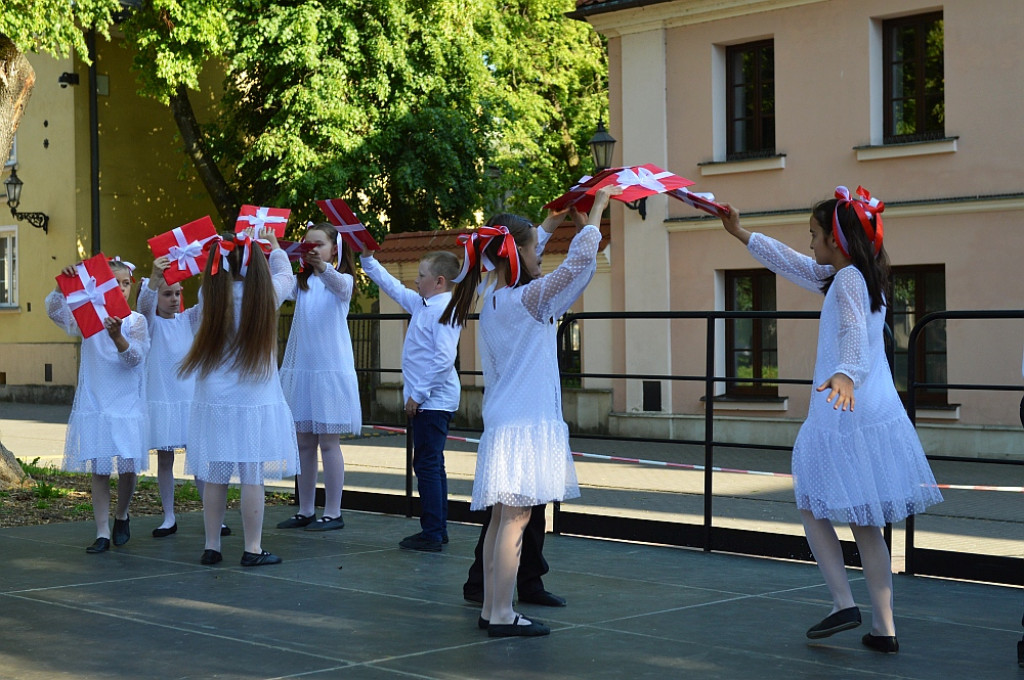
(844,619)
(295,521)
(225,530)
(162,532)
(543,598)
(100,545)
(476,596)
(419,542)
(482,623)
(122,531)
(513,629)
(326,523)
(259,559)
(210,557)
(886,644)
(1020,653)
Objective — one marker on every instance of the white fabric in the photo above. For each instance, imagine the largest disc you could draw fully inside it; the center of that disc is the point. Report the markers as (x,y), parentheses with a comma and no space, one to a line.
(107,427)
(428,354)
(318,374)
(240,429)
(168,396)
(524,457)
(864,466)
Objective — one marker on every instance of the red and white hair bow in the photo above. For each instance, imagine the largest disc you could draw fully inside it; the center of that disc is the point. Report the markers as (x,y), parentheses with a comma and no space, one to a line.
(478,241)
(224,249)
(865,207)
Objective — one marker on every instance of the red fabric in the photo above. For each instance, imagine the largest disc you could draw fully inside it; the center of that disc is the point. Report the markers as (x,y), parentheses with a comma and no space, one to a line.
(296,250)
(699,202)
(187,259)
(640,181)
(91,296)
(262,217)
(348,225)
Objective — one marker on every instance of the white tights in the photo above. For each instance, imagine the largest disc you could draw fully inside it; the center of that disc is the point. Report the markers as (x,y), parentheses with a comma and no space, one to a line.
(334,472)
(874,558)
(503,544)
(215,497)
(101,500)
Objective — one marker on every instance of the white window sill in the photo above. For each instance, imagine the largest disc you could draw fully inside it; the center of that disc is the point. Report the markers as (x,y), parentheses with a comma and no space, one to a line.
(9,309)
(872,152)
(774,405)
(736,167)
(944,414)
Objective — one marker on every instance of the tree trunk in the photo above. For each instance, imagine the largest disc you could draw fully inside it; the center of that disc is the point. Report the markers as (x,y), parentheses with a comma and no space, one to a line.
(17,78)
(210,175)
(11,474)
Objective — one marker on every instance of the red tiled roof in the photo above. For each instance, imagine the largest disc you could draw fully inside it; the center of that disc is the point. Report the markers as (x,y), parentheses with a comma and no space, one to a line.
(411,246)
(586,7)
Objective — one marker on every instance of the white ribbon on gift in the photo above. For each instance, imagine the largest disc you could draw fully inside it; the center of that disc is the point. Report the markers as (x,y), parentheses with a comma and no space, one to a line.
(184,254)
(91,293)
(641,177)
(262,218)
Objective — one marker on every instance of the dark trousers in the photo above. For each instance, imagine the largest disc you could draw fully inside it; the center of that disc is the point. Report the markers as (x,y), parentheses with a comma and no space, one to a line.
(532,564)
(429,434)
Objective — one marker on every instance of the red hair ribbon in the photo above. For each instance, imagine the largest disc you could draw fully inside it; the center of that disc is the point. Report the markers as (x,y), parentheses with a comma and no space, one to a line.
(224,249)
(483,236)
(865,207)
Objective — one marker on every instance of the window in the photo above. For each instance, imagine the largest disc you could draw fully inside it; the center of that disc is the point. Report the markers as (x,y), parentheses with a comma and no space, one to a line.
(919,290)
(751,345)
(914,78)
(12,159)
(8,267)
(570,352)
(750,100)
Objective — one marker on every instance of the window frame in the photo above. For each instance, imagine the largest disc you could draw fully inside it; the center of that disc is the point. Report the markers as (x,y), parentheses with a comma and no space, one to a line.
(757,390)
(936,397)
(764,148)
(920,95)
(8,231)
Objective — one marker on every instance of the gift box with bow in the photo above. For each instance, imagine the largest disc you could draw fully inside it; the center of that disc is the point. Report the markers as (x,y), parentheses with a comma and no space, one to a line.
(348,225)
(296,250)
(93,295)
(262,217)
(185,246)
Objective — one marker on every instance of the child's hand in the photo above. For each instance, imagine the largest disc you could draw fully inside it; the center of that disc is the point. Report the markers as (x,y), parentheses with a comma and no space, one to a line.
(69,270)
(367,252)
(159,265)
(841,390)
(313,259)
(411,408)
(601,201)
(269,235)
(579,219)
(554,218)
(113,326)
(731,222)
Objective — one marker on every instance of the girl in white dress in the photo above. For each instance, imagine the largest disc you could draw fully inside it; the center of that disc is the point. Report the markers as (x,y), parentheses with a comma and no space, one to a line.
(168,396)
(866,466)
(523,458)
(318,374)
(240,427)
(107,428)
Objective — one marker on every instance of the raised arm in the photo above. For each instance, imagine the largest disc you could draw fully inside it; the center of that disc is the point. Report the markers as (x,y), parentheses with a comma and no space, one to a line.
(786,262)
(59,312)
(407,298)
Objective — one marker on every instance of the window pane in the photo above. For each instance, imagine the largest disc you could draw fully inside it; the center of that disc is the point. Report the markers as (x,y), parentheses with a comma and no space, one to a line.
(742,334)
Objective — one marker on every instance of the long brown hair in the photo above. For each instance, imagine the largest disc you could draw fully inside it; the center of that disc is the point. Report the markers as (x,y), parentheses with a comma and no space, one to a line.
(346,260)
(251,347)
(875,268)
(464,295)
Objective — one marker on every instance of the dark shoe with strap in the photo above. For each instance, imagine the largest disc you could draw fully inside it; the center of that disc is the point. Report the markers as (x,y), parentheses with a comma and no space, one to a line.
(259,559)
(122,530)
(326,523)
(296,521)
(887,644)
(514,629)
(225,530)
(844,619)
(161,532)
(419,542)
(543,598)
(210,557)
(100,545)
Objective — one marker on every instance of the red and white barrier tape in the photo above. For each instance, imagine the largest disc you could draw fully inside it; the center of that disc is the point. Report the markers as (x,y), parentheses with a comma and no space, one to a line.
(701,468)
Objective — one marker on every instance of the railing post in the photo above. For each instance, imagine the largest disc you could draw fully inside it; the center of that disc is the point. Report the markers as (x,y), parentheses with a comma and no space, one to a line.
(408,467)
(709,429)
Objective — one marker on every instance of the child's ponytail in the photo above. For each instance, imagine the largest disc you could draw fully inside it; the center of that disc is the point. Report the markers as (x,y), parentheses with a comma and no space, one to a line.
(464,294)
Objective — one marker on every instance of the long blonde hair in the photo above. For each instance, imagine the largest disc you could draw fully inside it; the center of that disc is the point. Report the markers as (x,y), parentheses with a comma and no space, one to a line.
(251,347)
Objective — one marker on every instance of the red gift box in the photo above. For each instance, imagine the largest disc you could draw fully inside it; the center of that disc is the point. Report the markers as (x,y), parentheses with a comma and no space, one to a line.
(296,250)
(184,245)
(640,181)
(262,217)
(348,225)
(700,201)
(93,295)
(579,195)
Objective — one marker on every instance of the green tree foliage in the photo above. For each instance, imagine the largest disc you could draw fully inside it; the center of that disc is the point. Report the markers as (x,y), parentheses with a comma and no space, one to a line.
(55,26)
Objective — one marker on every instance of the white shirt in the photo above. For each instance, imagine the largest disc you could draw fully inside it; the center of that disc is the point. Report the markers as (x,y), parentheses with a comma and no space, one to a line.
(428,355)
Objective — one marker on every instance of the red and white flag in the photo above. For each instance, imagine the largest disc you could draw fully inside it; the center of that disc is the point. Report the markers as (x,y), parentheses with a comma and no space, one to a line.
(348,225)
(700,200)
(262,217)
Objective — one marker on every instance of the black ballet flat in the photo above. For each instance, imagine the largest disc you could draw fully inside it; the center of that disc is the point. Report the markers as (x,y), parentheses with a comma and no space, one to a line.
(100,545)
(482,623)
(259,559)
(122,530)
(887,644)
(210,557)
(535,629)
(844,619)
(162,532)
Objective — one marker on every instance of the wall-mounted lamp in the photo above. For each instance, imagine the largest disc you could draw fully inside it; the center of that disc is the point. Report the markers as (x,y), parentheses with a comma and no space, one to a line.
(13,184)
(602,145)
(66,79)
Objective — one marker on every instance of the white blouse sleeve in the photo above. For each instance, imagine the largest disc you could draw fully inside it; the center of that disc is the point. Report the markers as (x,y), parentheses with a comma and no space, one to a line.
(281,273)
(340,285)
(407,298)
(786,262)
(138,342)
(59,312)
(552,295)
(543,236)
(146,304)
(854,306)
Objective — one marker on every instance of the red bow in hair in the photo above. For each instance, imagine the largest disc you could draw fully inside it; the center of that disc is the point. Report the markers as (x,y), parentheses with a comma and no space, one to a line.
(865,207)
(483,236)
(224,249)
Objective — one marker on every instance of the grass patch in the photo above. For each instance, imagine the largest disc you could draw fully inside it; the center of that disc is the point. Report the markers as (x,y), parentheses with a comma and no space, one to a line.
(186,492)
(46,490)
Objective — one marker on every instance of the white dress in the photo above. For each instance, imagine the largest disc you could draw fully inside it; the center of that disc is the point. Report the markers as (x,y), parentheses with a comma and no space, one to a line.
(108,416)
(240,429)
(865,466)
(168,396)
(524,457)
(318,374)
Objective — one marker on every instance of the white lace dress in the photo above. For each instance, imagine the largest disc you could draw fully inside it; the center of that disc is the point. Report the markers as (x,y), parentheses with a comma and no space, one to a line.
(168,396)
(318,374)
(107,427)
(240,429)
(524,458)
(865,466)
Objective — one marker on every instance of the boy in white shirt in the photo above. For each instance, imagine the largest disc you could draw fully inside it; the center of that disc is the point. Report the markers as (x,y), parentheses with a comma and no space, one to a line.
(432,389)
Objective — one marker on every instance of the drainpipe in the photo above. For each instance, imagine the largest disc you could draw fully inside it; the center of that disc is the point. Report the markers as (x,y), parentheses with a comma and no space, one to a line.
(94,142)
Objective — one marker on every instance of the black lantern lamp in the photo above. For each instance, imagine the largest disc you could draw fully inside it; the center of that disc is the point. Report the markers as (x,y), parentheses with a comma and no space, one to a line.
(602,145)
(13,184)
